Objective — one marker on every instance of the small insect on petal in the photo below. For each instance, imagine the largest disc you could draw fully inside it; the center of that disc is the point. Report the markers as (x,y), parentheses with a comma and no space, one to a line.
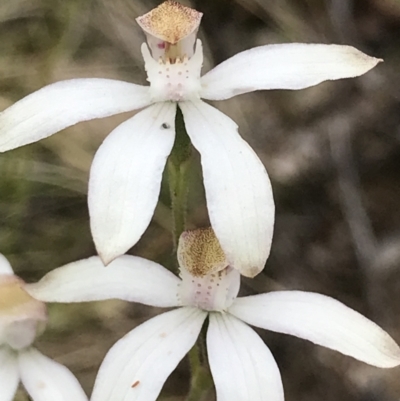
(137,382)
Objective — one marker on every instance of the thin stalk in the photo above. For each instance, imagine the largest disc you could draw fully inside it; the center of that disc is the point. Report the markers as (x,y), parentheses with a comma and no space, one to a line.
(178,170)
(178,166)
(201,379)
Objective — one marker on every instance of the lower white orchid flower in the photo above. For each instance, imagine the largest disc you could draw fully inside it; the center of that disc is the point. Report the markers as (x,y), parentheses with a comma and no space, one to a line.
(21,319)
(126,173)
(242,366)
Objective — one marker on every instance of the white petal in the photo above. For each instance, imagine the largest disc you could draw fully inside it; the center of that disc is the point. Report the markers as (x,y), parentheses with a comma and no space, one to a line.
(287,66)
(128,277)
(9,374)
(242,366)
(125,179)
(47,380)
(65,103)
(321,320)
(238,191)
(137,366)
(5,267)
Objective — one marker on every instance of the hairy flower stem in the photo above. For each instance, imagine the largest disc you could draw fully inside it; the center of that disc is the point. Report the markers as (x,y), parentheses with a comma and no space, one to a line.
(178,176)
(201,380)
(178,171)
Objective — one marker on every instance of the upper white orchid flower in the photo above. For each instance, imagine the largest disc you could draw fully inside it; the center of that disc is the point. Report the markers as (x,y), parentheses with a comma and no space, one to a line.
(243,368)
(21,319)
(126,173)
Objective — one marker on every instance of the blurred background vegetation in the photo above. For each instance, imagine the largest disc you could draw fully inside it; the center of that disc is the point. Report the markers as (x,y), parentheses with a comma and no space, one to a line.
(332,151)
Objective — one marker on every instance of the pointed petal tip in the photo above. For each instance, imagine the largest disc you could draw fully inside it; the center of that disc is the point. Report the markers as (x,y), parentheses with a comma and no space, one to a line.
(107,258)
(391,356)
(389,365)
(358,61)
(106,252)
(371,62)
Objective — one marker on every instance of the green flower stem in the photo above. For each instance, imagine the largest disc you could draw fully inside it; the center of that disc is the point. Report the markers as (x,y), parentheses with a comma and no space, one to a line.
(178,166)
(201,380)
(178,170)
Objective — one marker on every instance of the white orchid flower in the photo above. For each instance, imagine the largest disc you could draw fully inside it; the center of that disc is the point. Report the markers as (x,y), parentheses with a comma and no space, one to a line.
(243,368)
(126,173)
(21,318)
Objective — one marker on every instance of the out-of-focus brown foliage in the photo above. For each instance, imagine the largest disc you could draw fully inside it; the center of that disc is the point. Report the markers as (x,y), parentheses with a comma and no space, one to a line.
(332,151)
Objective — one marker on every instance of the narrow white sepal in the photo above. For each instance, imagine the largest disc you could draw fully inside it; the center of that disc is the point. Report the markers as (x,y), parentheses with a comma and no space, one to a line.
(283,66)
(9,374)
(242,366)
(65,103)
(5,267)
(129,278)
(321,320)
(47,380)
(238,190)
(137,366)
(125,179)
